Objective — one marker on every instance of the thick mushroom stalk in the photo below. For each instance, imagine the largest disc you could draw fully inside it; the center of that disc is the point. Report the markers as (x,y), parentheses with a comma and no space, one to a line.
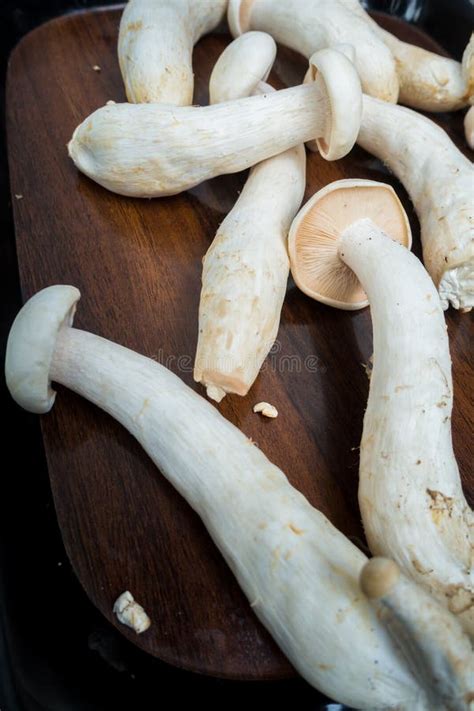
(298,571)
(155,47)
(310,25)
(389,68)
(150,150)
(439,180)
(410,495)
(428,81)
(246,267)
(429,636)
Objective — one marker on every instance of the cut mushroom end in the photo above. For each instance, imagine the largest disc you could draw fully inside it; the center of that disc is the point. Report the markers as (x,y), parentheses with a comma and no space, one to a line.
(378,577)
(314,238)
(238,15)
(31,344)
(242,65)
(339,81)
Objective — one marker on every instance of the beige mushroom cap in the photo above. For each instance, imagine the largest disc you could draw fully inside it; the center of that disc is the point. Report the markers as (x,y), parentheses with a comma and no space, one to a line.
(242,65)
(314,237)
(31,344)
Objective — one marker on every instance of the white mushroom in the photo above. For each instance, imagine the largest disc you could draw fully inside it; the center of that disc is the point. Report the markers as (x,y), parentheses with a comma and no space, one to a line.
(243,65)
(310,25)
(428,81)
(245,270)
(130,613)
(299,572)
(155,46)
(388,68)
(429,636)
(151,150)
(439,180)
(410,495)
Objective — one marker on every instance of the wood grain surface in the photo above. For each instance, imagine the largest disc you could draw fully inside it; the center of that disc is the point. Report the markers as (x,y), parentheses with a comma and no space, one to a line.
(138,266)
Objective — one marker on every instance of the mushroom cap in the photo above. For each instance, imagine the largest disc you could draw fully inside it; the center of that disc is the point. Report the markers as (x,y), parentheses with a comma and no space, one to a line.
(242,65)
(314,237)
(31,344)
(339,81)
(238,12)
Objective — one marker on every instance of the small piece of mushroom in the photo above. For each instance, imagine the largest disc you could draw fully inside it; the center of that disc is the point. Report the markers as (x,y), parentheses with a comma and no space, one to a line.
(310,25)
(152,150)
(410,494)
(155,47)
(130,613)
(266,409)
(439,180)
(245,270)
(429,636)
(300,573)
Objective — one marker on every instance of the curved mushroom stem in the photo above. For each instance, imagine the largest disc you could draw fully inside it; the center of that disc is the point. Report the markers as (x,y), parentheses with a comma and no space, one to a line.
(428,81)
(430,637)
(298,571)
(273,540)
(410,493)
(439,180)
(310,25)
(150,150)
(155,46)
(245,275)
(246,267)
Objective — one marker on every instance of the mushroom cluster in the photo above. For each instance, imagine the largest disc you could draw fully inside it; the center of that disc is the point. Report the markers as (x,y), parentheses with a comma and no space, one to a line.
(405,639)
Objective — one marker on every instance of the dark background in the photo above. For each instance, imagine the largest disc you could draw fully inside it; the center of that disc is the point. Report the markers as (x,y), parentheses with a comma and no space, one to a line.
(56,651)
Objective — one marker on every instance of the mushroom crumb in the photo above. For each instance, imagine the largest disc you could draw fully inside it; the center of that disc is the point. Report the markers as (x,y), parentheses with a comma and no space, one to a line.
(18,196)
(266,409)
(368,367)
(130,613)
(96,68)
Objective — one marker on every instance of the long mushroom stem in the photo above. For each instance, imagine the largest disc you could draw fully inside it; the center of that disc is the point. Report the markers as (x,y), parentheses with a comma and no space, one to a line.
(430,637)
(150,150)
(428,81)
(246,267)
(155,46)
(310,25)
(410,493)
(439,180)
(298,571)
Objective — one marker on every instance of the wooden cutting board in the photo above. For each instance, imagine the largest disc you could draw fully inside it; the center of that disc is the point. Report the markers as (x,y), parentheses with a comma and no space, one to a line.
(138,266)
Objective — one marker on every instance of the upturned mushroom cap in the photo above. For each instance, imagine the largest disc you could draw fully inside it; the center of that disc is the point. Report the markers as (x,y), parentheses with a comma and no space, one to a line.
(242,65)
(31,344)
(314,237)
